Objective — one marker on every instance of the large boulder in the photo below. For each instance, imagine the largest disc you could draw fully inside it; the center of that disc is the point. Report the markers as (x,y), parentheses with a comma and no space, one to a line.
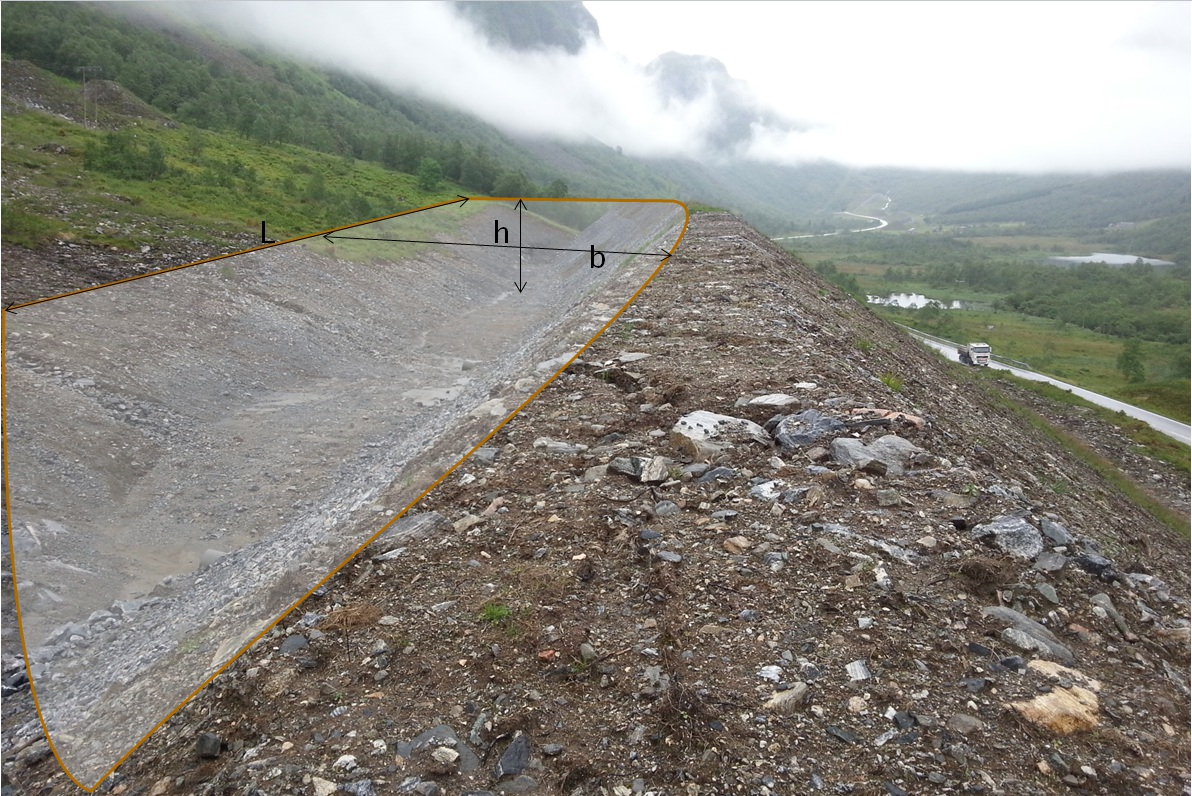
(891,453)
(704,435)
(804,428)
(1012,535)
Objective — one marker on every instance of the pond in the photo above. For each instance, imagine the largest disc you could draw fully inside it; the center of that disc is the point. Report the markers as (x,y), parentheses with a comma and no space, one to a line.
(1109,259)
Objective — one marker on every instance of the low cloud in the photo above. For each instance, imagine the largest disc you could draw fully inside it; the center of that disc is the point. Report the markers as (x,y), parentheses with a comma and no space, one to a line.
(430,50)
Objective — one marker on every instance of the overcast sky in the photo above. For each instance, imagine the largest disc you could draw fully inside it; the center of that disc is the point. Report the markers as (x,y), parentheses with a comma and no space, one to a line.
(999,85)
(1021,86)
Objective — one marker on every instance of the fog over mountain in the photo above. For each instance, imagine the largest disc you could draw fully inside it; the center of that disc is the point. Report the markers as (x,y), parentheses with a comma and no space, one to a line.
(970,86)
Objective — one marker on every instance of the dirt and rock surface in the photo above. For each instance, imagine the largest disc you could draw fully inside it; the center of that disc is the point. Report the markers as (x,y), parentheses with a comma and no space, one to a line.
(866,579)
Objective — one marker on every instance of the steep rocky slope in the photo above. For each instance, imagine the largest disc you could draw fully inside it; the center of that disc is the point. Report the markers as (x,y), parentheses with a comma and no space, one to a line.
(888,585)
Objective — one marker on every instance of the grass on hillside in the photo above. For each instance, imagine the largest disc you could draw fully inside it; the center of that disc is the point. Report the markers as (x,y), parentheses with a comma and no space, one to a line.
(1159,447)
(216,182)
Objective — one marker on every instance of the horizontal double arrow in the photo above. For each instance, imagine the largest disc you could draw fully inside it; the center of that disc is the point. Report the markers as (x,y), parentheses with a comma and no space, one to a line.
(519,284)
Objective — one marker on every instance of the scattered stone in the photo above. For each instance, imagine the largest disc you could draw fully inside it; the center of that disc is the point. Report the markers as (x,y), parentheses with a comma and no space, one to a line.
(773,399)
(964,723)
(208,745)
(1067,708)
(552,749)
(345,762)
(887,497)
(515,759)
(1027,634)
(669,557)
(788,701)
(1012,535)
(557,447)
(293,644)
(702,435)
(1050,561)
(1057,533)
(1104,602)
(858,670)
(1097,565)
(1048,592)
(656,470)
(841,734)
(803,429)
(323,787)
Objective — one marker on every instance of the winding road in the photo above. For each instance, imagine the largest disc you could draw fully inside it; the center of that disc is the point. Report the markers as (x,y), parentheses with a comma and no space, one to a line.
(1172,428)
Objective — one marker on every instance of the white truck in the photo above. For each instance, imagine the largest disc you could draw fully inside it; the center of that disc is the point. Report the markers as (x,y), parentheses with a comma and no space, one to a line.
(974,353)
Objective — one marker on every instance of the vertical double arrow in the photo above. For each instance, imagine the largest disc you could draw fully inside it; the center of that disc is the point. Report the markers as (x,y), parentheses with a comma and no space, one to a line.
(519,284)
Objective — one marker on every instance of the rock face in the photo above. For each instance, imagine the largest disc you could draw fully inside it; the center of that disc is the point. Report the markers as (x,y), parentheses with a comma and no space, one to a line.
(634,596)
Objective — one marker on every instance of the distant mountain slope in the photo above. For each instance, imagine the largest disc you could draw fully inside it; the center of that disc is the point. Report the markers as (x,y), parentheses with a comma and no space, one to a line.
(564,24)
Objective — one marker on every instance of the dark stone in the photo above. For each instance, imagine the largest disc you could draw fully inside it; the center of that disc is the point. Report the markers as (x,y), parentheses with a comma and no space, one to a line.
(208,745)
(515,759)
(904,720)
(724,514)
(364,787)
(1057,533)
(894,790)
(841,734)
(552,749)
(979,649)
(1097,565)
(974,684)
(425,788)
(959,523)
(803,429)
(611,438)
(716,473)
(293,644)
(649,535)
(1015,663)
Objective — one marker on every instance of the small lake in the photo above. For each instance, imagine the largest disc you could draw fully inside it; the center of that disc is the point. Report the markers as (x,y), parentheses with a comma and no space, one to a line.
(1109,259)
(918,301)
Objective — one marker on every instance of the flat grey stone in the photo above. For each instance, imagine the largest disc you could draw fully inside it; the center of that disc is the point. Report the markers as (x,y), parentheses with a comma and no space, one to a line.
(1050,561)
(1057,533)
(1025,628)
(293,644)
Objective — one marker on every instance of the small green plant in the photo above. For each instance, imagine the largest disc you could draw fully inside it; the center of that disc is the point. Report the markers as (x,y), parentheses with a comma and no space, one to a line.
(864,346)
(892,381)
(495,613)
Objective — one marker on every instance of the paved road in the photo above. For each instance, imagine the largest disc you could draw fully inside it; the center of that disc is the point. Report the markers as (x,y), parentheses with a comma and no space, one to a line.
(881,222)
(1176,430)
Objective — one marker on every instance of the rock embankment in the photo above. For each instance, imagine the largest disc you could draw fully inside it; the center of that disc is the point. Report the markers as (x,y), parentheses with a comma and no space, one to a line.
(757,542)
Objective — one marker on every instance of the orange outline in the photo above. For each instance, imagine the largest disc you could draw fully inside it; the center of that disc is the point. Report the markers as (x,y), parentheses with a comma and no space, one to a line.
(371,539)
